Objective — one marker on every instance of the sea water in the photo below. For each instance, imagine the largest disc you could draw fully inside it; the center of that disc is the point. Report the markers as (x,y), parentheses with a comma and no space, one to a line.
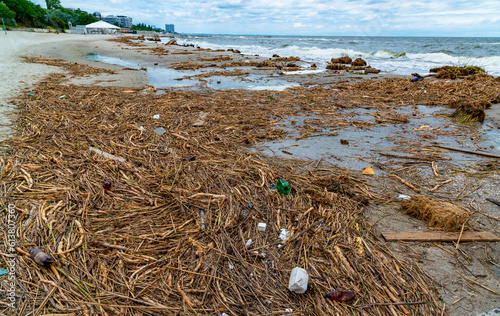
(398,55)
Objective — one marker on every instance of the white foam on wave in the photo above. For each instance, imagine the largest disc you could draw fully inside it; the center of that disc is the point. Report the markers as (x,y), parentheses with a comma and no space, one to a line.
(314,53)
(398,63)
(304,72)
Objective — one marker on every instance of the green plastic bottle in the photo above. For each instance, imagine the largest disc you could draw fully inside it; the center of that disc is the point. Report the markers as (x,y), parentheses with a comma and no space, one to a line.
(283,187)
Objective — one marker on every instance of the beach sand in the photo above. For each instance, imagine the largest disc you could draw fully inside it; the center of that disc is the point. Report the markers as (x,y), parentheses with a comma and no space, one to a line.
(76,48)
(16,75)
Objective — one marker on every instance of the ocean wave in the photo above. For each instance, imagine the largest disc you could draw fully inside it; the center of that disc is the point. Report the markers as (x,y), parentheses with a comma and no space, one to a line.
(388,54)
(404,62)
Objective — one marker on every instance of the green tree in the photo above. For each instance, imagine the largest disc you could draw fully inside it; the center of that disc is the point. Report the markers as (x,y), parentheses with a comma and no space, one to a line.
(27,12)
(5,12)
(53,4)
(143,27)
(58,22)
(86,18)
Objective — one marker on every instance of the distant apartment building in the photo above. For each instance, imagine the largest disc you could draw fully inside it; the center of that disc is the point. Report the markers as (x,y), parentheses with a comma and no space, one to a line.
(169,28)
(111,19)
(124,21)
(121,20)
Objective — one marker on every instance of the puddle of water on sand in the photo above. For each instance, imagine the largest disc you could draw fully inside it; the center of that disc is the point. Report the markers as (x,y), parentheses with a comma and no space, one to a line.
(113,61)
(364,144)
(163,78)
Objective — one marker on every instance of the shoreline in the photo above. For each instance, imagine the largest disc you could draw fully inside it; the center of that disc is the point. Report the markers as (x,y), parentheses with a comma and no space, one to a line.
(77,47)
(320,99)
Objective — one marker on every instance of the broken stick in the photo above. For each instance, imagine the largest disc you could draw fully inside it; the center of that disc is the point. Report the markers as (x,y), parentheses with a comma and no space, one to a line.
(480,153)
(411,186)
(493,201)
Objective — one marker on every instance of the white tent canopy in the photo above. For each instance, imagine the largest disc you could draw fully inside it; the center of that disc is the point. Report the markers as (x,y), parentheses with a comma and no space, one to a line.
(101,27)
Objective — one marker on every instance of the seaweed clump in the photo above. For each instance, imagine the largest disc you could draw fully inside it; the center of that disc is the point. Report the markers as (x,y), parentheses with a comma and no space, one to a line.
(453,72)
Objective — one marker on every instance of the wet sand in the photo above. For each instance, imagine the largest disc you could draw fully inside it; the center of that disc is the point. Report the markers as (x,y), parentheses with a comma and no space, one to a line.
(16,75)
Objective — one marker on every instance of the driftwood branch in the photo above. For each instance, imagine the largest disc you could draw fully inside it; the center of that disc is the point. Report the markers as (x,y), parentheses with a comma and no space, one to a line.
(480,153)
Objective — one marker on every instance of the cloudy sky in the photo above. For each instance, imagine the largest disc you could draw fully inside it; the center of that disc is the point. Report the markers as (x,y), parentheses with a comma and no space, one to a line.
(309,17)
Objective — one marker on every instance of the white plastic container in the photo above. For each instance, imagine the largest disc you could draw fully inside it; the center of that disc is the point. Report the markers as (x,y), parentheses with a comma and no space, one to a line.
(284,234)
(299,280)
(262,227)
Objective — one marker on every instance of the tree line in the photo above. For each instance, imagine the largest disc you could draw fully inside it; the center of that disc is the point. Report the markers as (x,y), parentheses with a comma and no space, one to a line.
(26,13)
(143,27)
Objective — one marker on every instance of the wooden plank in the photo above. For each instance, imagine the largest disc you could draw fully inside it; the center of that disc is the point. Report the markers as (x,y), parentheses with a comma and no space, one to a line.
(440,236)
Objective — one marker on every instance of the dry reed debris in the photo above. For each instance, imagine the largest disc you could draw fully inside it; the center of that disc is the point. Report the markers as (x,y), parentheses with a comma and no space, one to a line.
(438,214)
(170,236)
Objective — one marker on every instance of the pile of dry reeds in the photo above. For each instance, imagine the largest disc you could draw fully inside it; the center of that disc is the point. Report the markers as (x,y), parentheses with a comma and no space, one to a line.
(161,224)
(438,214)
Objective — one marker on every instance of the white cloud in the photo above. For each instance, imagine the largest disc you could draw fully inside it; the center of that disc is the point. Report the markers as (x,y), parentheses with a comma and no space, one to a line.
(309,17)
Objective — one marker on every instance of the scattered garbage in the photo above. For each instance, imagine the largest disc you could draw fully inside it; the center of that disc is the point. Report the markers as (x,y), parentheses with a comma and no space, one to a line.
(225,170)
(288,310)
(284,234)
(31,95)
(298,280)
(369,171)
(404,197)
(202,215)
(341,296)
(360,249)
(142,128)
(160,131)
(248,243)
(62,97)
(41,257)
(261,255)
(272,187)
(106,155)
(3,271)
(107,185)
(322,225)
(244,213)
(283,187)
(416,79)
(156,116)
(201,121)
(231,267)
(262,227)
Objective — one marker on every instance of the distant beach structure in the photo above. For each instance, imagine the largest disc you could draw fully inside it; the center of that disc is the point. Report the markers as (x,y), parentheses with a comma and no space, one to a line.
(101,27)
(169,28)
(120,20)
